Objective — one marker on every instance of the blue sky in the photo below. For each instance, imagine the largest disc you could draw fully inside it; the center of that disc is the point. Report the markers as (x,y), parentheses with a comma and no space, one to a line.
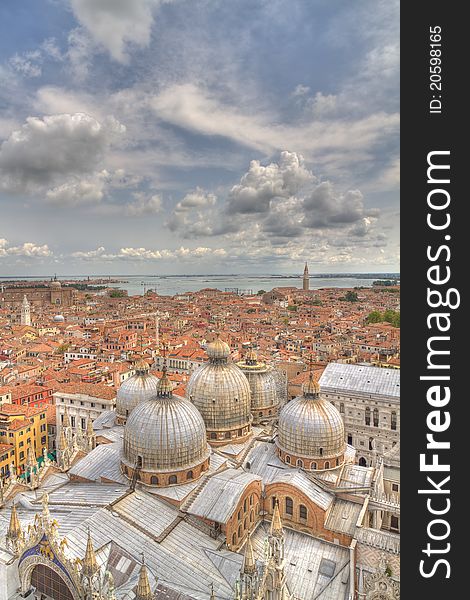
(170,136)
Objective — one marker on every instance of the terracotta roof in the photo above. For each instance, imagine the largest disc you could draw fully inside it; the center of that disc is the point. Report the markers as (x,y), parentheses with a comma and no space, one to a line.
(88,389)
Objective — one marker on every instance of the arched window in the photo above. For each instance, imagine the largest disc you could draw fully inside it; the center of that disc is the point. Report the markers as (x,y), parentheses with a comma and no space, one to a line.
(367,415)
(251,500)
(289,506)
(300,463)
(350,441)
(393,423)
(273,500)
(288,459)
(337,461)
(245,523)
(227,435)
(303,513)
(234,539)
(213,435)
(363,462)
(239,531)
(189,475)
(341,408)
(260,414)
(139,461)
(252,516)
(154,480)
(370,443)
(321,451)
(313,466)
(240,432)
(245,504)
(172,479)
(376,417)
(327,464)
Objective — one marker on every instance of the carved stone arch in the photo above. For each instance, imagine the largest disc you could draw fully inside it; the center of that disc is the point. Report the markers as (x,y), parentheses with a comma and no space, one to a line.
(28,565)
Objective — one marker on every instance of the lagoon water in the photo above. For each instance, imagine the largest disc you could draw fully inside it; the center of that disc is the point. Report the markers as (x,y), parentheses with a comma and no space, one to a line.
(169,285)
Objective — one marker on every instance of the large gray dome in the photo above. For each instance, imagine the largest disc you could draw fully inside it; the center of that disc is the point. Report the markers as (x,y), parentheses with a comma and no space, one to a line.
(310,427)
(137,389)
(165,435)
(221,393)
(263,386)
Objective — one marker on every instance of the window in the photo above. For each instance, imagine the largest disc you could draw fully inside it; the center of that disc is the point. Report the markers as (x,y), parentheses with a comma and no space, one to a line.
(240,432)
(300,463)
(239,531)
(303,513)
(213,435)
(376,417)
(21,444)
(139,461)
(393,423)
(273,500)
(251,500)
(327,464)
(287,459)
(190,475)
(227,435)
(92,404)
(289,506)
(394,523)
(245,523)
(395,487)
(341,408)
(362,462)
(244,505)
(72,421)
(367,416)
(313,466)
(21,455)
(252,516)
(43,440)
(154,480)
(103,406)
(350,440)
(321,451)
(172,479)
(234,539)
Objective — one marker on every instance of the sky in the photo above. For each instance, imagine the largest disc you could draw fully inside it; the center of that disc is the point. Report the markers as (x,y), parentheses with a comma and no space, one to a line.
(199,136)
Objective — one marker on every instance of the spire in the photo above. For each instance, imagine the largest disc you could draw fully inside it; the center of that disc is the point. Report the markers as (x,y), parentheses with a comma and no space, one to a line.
(89,428)
(164,386)
(276,523)
(89,562)
(306,268)
(62,441)
(66,421)
(249,564)
(143,590)
(212,596)
(14,528)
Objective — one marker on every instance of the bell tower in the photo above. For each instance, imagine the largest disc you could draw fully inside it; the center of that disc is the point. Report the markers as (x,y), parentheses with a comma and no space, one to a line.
(306,279)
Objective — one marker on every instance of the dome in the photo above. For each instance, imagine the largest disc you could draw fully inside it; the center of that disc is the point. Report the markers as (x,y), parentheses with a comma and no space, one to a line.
(55,284)
(140,387)
(166,438)
(218,349)
(221,393)
(311,428)
(59,319)
(263,386)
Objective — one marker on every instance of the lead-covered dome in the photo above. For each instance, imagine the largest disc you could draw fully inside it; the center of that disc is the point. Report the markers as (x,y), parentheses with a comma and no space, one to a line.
(165,440)
(263,386)
(221,393)
(140,387)
(311,431)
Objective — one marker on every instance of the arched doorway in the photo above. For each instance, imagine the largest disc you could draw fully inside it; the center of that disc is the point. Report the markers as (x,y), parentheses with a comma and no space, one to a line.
(49,582)
(362,462)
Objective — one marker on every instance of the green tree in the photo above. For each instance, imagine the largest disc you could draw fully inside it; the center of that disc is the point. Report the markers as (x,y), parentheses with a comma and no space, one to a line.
(351,296)
(375,317)
(261,292)
(116,294)
(63,348)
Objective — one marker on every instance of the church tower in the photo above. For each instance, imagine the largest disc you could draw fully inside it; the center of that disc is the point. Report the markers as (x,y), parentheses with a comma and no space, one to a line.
(25,312)
(306,279)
